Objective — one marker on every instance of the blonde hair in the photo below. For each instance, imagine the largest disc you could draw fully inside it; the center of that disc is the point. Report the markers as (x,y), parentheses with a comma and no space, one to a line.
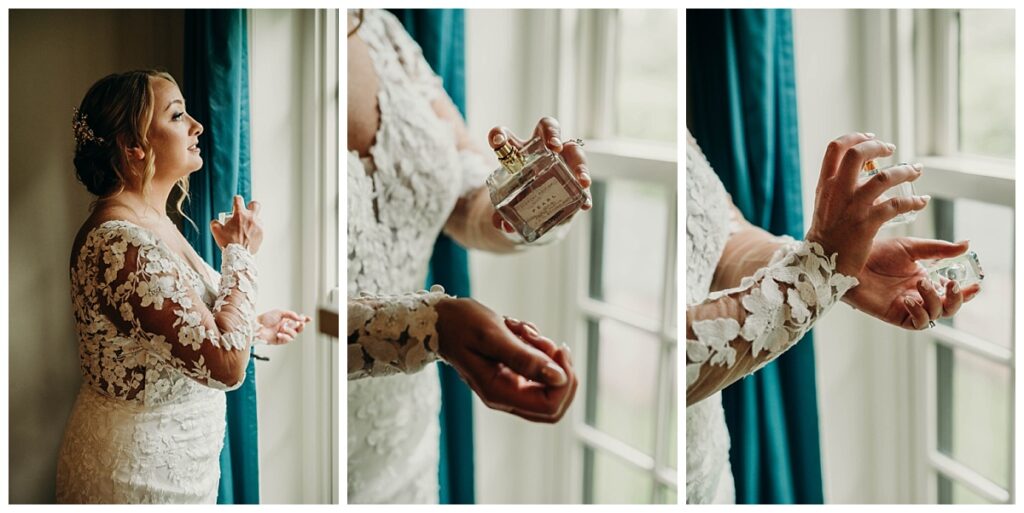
(119,109)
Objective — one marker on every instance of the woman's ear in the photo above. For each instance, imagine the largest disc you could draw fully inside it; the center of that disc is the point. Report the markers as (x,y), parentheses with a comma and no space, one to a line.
(135,153)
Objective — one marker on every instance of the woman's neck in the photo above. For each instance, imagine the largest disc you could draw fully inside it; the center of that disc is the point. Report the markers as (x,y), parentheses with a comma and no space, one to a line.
(147,204)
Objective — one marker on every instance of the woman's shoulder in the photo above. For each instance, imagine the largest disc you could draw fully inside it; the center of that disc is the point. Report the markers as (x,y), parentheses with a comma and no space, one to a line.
(105,227)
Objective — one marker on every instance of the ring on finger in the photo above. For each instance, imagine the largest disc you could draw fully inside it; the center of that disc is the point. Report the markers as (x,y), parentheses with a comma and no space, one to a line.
(577,141)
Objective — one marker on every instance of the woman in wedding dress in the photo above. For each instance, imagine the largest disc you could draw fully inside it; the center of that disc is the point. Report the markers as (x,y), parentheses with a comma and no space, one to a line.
(751,295)
(413,172)
(161,334)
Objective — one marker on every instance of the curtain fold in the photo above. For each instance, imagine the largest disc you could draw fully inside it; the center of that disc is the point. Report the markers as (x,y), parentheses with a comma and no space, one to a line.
(742,110)
(216,89)
(441,34)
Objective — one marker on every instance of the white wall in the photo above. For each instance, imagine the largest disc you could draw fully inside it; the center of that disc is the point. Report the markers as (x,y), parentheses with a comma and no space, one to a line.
(860,373)
(54,57)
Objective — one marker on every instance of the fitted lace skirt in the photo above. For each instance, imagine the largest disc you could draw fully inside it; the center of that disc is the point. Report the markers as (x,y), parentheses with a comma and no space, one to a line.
(393,438)
(115,451)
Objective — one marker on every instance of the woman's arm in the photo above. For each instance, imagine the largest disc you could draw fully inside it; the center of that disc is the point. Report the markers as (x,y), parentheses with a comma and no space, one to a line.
(740,329)
(145,294)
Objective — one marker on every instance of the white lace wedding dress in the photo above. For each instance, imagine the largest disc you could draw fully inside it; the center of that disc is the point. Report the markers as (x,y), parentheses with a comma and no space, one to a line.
(148,423)
(399,199)
(732,333)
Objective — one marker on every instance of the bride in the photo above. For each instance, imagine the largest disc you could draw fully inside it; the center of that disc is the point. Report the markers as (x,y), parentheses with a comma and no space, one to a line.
(413,172)
(161,334)
(750,295)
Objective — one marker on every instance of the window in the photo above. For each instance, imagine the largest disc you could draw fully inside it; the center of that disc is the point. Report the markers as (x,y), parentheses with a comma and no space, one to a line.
(964,67)
(625,326)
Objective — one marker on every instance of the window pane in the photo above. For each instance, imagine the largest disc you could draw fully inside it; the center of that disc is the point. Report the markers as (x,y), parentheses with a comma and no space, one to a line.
(668,495)
(974,412)
(952,492)
(673,430)
(628,245)
(617,482)
(645,92)
(987,82)
(990,229)
(623,389)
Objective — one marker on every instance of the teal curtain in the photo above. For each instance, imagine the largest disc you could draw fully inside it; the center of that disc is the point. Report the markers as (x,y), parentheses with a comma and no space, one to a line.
(216,89)
(742,111)
(441,33)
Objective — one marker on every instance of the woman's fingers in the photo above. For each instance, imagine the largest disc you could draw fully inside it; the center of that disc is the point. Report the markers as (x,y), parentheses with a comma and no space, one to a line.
(882,181)
(928,249)
(854,159)
(238,204)
(931,298)
(917,317)
(953,299)
(893,207)
(255,206)
(550,131)
(523,359)
(531,335)
(835,151)
(499,135)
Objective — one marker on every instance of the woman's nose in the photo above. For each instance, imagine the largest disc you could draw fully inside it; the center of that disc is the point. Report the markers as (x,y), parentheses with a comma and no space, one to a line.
(198,128)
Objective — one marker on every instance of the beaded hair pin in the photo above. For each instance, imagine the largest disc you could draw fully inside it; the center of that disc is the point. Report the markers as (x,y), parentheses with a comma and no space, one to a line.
(83,134)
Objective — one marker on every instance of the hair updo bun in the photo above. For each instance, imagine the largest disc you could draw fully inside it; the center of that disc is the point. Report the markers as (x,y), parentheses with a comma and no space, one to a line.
(114,115)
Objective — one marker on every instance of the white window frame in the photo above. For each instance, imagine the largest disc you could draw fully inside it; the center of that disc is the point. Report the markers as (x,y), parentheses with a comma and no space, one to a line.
(916,86)
(589,35)
(320,219)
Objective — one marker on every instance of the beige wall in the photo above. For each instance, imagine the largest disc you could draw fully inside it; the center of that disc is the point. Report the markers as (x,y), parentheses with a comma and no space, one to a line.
(54,57)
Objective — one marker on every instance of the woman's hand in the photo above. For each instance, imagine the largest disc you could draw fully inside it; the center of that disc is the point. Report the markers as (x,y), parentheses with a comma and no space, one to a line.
(244,227)
(518,371)
(895,289)
(847,213)
(280,326)
(548,130)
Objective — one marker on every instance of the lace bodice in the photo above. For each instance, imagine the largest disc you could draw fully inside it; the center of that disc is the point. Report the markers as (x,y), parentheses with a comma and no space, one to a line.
(399,199)
(158,344)
(732,333)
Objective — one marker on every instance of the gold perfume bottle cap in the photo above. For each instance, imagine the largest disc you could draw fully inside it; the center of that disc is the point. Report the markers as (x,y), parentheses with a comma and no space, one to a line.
(510,157)
(870,166)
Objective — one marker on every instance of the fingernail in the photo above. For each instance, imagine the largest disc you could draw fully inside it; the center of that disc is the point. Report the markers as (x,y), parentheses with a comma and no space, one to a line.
(909,302)
(565,347)
(926,198)
(585,177)
(918,166)
(554,141)
(956,288)
(529,329)
(498,139)
(554,375)
(869,135)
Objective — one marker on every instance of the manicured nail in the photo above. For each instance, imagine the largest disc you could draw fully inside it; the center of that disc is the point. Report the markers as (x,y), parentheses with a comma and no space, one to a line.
(529,329)
(918,166)
(956,288)
(498,139)
(891,146)
(554,141)
(553,374)
(869,135)
(565,347)
(909,302)
(926,198)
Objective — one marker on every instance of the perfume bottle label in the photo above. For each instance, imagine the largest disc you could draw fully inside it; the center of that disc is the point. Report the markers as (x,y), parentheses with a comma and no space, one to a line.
(543,202)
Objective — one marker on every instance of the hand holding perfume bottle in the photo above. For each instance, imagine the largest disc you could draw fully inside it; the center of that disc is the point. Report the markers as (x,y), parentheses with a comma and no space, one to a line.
(540,184)
(903,189)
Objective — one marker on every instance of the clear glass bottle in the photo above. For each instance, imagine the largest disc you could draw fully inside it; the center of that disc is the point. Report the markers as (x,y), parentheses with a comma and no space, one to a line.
(534,190)
(964,269)
(900,190)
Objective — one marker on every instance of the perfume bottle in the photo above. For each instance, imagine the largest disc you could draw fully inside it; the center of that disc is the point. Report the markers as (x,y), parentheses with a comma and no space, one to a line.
(900,190)
(964,269)
(533,189)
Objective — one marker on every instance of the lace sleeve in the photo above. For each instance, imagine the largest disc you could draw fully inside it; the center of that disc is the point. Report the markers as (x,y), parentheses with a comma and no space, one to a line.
(737,331)
(146,294)
(392,334)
